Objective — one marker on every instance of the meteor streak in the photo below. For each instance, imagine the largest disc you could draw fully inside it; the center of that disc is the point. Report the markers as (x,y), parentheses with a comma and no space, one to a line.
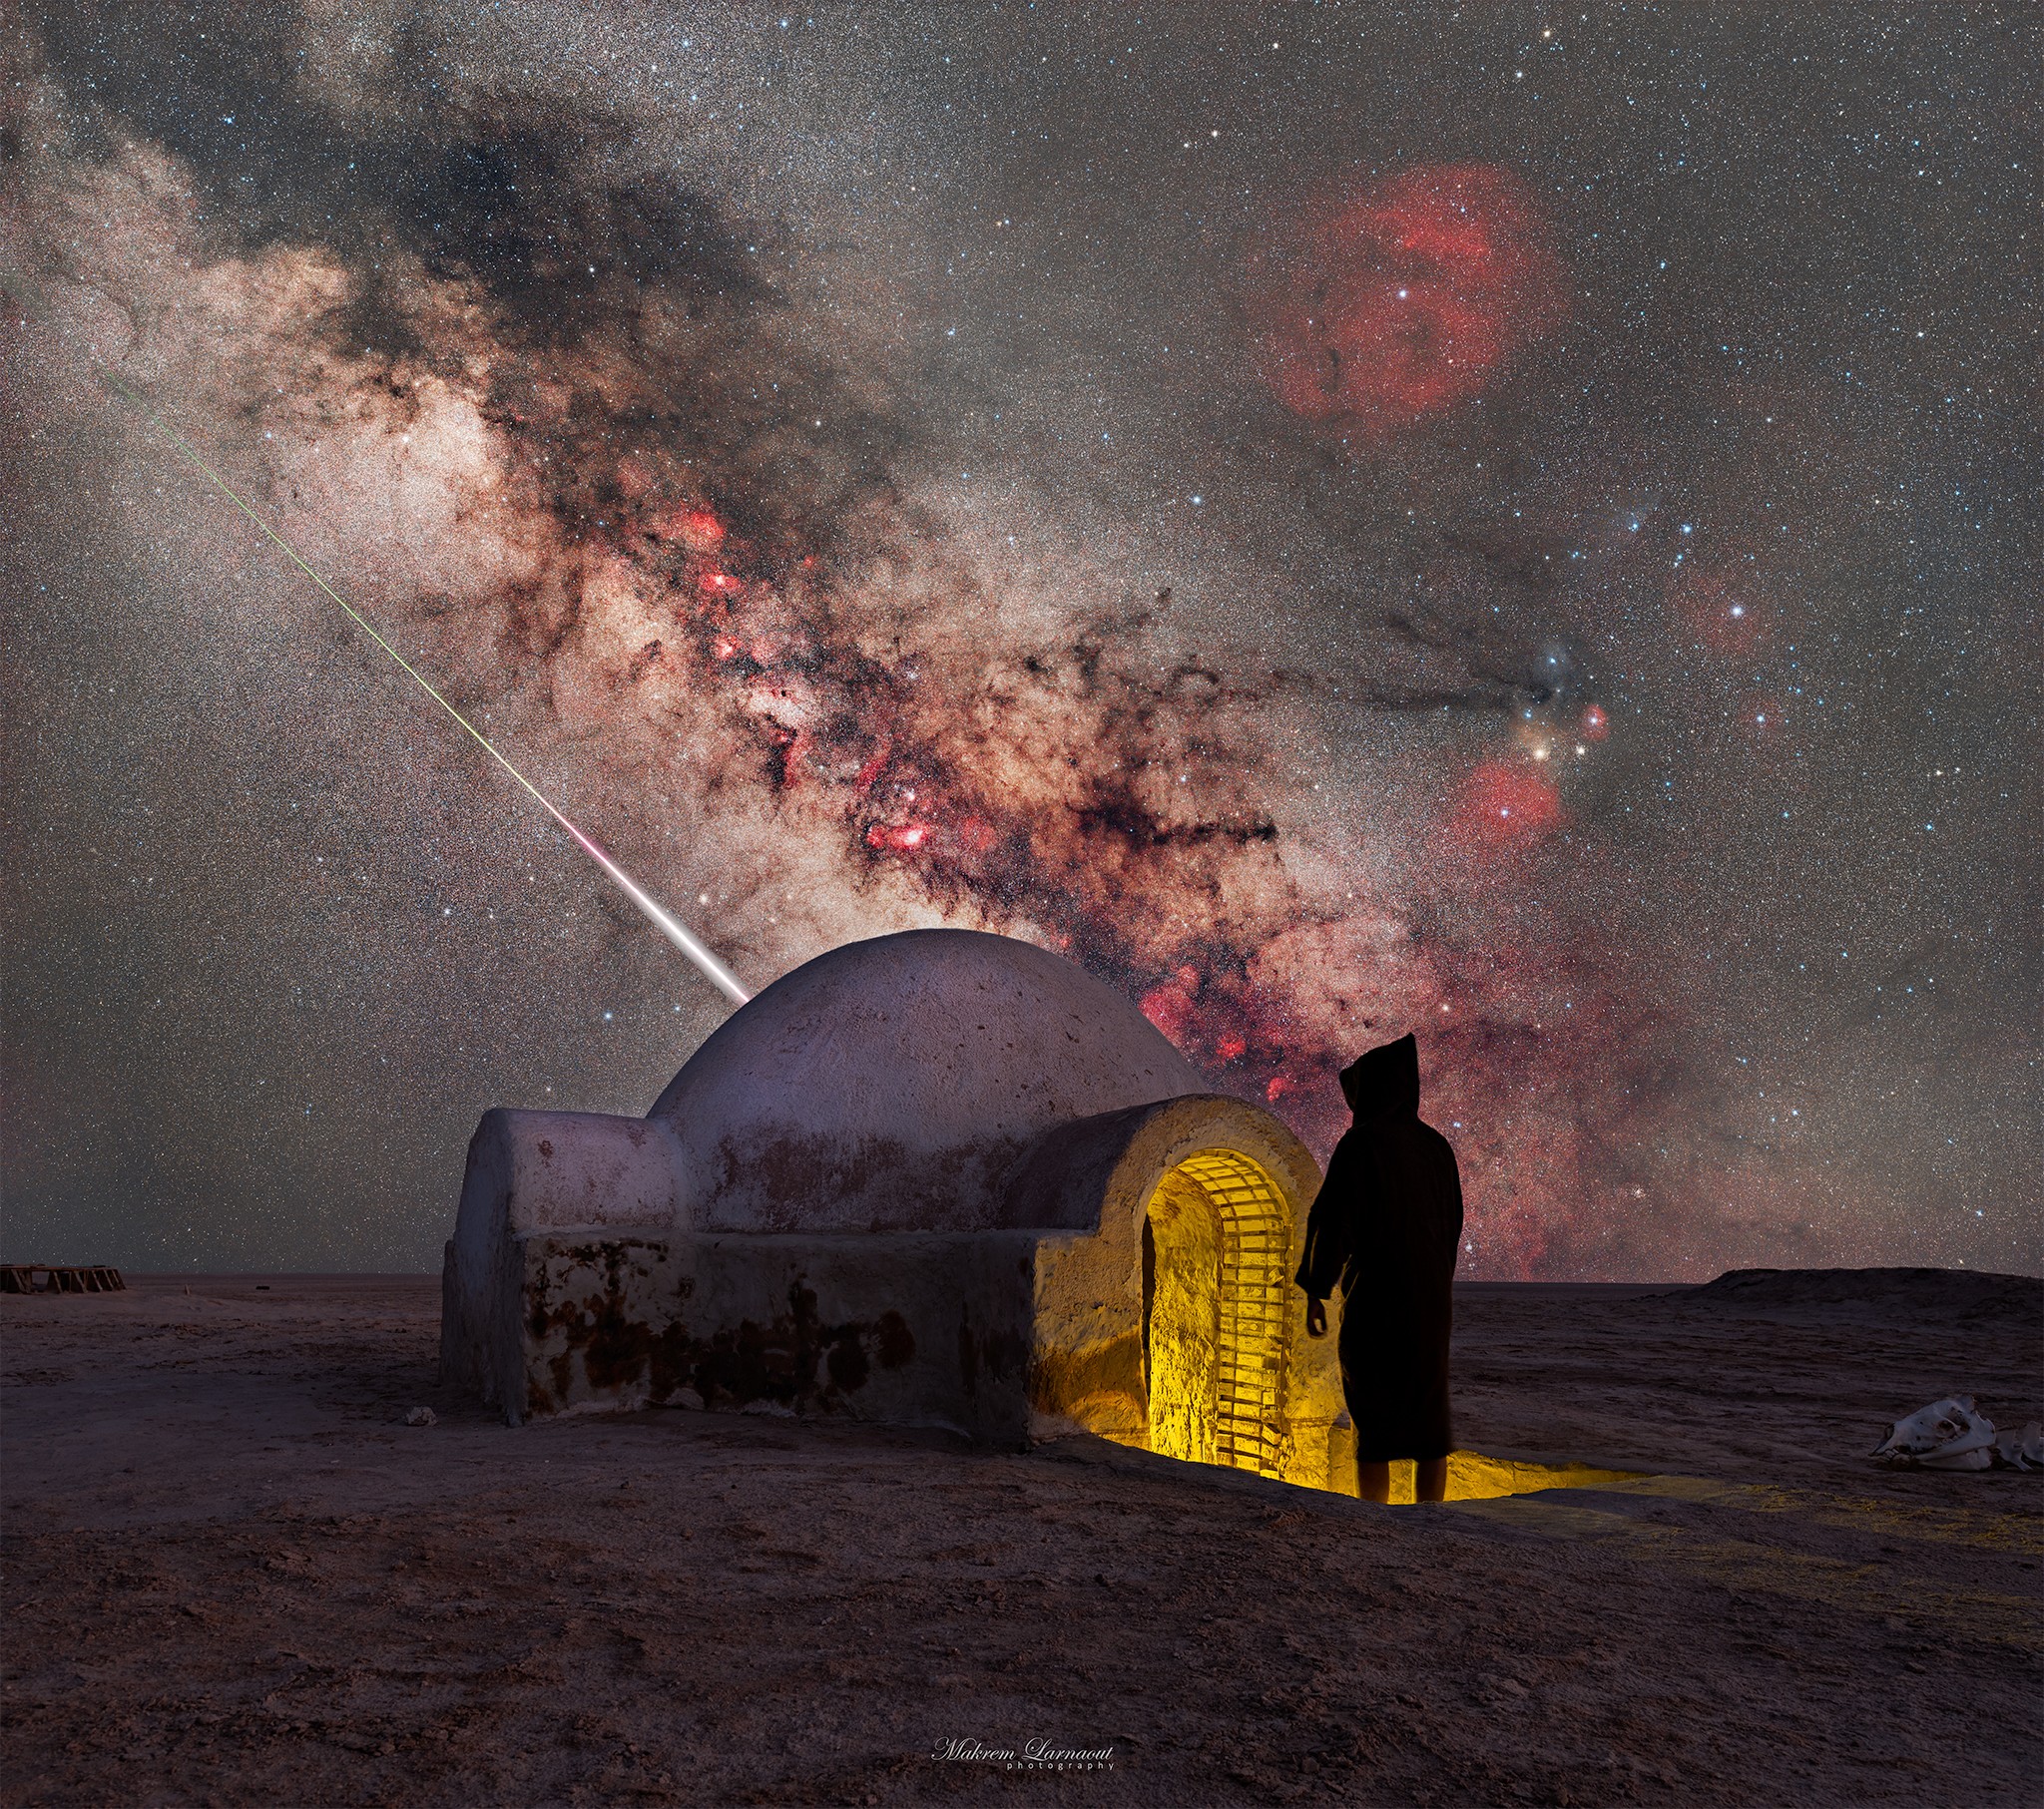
(662,920)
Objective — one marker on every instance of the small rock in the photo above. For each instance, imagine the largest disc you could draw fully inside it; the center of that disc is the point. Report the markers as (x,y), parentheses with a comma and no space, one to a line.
(685,1397)
(422,1416)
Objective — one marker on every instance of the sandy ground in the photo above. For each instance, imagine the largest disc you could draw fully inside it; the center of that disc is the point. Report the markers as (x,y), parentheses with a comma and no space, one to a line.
(235,1576)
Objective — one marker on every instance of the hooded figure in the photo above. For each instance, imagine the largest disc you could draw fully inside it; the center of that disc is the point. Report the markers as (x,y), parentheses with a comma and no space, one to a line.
(1386,1226)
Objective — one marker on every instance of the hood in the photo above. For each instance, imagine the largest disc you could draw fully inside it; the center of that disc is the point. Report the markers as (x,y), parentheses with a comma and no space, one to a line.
(1385,1080)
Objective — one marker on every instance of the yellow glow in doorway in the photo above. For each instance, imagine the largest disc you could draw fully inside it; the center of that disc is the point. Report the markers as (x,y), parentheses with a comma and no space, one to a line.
(1217,1243)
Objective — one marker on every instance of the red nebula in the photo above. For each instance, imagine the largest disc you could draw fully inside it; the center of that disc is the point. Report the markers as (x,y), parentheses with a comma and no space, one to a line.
(1221,1020)
(898,839)
(1595,725)
(693,527)
(1170,1007)
(974,836)
(721,583)
(1505,804)
(1397,304)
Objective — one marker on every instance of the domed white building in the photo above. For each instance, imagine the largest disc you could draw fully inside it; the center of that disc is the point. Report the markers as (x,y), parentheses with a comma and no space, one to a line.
(936,1178)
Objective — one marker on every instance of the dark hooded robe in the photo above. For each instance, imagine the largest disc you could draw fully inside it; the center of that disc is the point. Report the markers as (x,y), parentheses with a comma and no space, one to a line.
(1386,1227)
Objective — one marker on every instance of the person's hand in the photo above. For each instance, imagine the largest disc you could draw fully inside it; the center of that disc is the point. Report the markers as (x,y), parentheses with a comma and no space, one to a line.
(1315,1318)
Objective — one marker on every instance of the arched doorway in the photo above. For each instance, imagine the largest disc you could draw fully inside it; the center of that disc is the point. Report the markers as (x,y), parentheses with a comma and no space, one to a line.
(1216,1239)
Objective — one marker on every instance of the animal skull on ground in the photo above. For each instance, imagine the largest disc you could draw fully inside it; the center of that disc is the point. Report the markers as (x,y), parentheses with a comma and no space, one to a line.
(1946,1435)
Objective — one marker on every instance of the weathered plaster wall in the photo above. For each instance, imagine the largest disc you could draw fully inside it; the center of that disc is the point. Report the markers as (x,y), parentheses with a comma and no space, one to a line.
(908,1328)
(573,1285)
(1180,1279)
(532,1172)
(888,1189)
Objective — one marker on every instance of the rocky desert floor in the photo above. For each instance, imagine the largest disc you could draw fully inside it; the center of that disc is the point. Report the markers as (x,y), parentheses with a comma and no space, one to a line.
(234,1576)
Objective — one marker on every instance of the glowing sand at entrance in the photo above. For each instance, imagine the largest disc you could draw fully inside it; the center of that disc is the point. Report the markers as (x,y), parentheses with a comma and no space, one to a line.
(1472,1477)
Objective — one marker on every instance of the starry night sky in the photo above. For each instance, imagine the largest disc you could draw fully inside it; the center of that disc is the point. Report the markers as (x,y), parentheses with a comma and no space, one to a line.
(1514,523)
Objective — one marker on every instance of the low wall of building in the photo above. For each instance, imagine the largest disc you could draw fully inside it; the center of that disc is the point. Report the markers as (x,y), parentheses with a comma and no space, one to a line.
(903,1328)
(574,1283)
(532,1172)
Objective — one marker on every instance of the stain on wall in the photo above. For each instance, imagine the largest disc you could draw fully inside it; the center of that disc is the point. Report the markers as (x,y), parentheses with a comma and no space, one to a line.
(634,1322)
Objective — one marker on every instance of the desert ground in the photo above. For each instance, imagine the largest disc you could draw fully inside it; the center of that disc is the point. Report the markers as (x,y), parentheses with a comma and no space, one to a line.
(236,1576)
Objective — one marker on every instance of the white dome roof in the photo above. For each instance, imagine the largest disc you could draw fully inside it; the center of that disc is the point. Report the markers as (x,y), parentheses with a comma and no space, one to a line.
(888,1086)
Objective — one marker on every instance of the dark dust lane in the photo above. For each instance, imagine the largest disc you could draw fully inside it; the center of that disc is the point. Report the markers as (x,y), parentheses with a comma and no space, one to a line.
(235,1576)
